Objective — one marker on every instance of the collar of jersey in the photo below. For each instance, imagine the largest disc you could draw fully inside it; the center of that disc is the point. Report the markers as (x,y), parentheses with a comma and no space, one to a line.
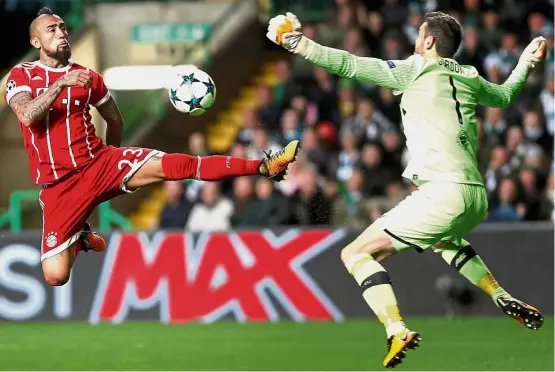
(53,69)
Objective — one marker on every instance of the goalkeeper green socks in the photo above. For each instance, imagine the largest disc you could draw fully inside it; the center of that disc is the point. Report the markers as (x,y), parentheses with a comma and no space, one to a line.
(377,291)
(470,265)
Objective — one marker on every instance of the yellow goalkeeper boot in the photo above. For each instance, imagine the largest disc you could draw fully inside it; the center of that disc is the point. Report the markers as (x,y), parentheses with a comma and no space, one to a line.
(275,165)
(398,346)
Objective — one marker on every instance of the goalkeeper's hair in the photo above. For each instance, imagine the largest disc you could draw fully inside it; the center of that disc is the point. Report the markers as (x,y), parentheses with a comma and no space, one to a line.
(45,10)
(447,32)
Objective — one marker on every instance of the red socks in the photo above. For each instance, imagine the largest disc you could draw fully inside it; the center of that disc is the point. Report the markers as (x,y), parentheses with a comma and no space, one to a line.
(207,168)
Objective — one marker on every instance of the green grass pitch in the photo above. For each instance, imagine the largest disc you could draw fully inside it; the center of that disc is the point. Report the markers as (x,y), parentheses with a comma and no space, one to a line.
(461,344)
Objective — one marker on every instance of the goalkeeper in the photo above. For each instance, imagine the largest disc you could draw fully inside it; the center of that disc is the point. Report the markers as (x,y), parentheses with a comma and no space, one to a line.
(438,111)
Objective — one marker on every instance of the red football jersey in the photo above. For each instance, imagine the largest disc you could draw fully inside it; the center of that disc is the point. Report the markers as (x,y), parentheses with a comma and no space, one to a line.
(65,139)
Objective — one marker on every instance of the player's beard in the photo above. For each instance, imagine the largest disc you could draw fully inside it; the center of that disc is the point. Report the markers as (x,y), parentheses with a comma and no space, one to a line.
(59,54)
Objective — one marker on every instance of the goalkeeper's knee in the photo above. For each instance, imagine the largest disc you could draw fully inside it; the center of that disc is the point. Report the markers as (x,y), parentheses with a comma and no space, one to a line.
(456,256)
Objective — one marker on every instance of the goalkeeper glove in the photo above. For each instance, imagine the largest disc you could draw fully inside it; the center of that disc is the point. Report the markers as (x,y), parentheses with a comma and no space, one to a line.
(285,30)
(534,53)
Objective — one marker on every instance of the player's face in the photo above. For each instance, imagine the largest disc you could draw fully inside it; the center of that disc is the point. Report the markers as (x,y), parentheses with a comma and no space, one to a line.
(423,42)
(51,37)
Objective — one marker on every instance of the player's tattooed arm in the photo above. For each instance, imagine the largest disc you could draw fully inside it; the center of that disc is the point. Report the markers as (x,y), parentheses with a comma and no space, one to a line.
(114,122)
(30,111)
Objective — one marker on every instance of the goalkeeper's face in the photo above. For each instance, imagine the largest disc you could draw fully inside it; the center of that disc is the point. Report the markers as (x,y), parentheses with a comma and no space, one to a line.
(423,42)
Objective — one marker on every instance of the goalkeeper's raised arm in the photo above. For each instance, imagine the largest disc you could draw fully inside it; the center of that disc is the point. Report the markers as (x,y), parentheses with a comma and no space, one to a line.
(494,95)
(285,30)
(394,75)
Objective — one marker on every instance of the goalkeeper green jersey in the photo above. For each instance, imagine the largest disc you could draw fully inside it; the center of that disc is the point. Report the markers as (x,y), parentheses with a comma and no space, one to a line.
(438,107)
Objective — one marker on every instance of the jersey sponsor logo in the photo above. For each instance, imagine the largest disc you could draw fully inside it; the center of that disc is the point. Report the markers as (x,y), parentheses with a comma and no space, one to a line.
(244,274)
(36,78)
(391,64)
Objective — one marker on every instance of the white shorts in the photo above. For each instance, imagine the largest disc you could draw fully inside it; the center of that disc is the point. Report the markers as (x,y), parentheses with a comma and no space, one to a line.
(436,211)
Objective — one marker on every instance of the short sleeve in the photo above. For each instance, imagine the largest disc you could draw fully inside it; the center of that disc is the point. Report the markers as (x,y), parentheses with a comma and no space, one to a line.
(17,82)
(100,93)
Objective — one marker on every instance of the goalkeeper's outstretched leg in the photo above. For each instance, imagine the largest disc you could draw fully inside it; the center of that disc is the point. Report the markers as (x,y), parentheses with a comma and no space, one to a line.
(361,258)
(464,259)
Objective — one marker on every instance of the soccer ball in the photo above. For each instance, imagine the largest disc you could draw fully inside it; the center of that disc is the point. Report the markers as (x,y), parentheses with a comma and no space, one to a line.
(192,91)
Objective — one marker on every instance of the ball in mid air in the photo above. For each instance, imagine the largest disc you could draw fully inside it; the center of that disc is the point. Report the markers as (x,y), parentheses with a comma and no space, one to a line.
(192,91)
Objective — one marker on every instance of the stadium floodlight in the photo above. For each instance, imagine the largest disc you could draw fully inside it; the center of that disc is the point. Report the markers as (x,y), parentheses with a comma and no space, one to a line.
(137,77)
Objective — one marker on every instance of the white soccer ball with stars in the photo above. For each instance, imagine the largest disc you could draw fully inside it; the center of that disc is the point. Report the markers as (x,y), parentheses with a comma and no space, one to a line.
(192,91)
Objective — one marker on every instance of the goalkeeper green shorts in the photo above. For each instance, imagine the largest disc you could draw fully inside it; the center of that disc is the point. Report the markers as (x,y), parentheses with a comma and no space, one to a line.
(436,211)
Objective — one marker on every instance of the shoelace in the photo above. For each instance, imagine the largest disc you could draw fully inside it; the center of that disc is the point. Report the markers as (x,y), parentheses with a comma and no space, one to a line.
(271,156)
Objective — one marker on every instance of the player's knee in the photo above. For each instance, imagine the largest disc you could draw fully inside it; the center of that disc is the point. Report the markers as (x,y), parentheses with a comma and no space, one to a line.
(55,274)
(442,245)
(346,254)
(378,246)
(357,247)
(56,278)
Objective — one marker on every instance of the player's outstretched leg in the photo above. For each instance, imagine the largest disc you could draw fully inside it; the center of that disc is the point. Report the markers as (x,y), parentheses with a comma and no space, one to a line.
(173,167)
(377,290)
(465,260)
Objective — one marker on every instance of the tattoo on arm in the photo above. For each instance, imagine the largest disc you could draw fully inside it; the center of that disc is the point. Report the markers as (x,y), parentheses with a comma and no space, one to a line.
(111,114)
(109,111)
(30,111)
(19,102)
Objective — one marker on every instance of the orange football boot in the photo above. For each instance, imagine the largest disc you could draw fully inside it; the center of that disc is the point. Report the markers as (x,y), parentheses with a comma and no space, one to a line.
(527,315)
(91,240)
(275,165)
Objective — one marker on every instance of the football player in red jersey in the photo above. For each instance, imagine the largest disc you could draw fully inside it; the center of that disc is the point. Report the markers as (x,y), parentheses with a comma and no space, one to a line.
(76,170)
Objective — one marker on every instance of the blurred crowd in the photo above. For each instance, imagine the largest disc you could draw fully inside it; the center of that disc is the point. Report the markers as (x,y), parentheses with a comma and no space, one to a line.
(351,132)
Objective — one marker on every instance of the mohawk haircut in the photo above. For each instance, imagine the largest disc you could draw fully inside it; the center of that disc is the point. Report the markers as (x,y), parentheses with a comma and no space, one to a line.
(45,10)
(41,12)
